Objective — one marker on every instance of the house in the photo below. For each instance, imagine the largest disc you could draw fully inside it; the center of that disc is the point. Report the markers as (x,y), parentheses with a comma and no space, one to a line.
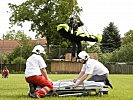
(39,41)
(7,46)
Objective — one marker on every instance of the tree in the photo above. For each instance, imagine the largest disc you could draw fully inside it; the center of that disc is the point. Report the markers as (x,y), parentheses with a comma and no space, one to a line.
(18,60)
(44,16)
(128,37)
(16,35)
(91,47)
(23,52)
(111,38)
(124,54)
(9,35)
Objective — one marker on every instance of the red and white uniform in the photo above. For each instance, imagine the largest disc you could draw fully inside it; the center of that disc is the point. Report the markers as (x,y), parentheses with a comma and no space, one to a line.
(33,74)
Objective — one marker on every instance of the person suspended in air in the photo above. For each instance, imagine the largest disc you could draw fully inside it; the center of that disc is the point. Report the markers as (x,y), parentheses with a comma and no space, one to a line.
(71,32)
(73,27)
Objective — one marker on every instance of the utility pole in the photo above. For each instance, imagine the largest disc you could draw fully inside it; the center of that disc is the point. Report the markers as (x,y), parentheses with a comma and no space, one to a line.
(20,54)
(2,52)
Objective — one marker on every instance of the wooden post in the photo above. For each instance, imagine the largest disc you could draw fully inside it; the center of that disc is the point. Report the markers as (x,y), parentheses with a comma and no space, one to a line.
(68,56)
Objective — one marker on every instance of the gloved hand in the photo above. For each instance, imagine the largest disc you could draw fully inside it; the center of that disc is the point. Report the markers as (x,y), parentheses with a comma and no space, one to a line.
(74,80)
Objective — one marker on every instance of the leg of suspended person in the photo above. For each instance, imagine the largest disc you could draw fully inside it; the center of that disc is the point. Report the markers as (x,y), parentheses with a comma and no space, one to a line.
(79,47)
(73,51)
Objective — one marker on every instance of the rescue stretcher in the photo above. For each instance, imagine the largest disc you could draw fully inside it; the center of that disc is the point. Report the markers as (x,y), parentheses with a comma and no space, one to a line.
(64,88)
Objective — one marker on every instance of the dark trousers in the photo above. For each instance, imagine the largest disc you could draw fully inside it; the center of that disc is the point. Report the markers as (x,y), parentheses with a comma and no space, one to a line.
(98,78)
(101,78)
(79,48)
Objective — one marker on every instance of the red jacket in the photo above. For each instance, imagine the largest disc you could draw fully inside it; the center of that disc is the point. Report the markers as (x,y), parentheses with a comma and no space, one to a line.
(5,71)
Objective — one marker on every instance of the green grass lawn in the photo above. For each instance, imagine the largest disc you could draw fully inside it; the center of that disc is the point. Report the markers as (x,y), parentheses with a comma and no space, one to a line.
(15,88)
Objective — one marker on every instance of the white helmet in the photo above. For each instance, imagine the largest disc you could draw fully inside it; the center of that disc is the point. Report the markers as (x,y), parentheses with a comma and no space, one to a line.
(83,55)
(38,49)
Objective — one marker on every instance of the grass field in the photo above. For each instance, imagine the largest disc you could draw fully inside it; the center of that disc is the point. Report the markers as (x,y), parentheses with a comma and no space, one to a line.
(15,88)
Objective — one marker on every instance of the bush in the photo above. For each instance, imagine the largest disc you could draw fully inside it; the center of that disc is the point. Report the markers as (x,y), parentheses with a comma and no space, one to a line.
(105,57)
(19,60)
(125,54)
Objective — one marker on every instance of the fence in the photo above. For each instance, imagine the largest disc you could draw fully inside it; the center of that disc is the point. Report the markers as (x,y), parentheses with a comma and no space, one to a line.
(120,68)
(65,67)
(14,68)
(69,67)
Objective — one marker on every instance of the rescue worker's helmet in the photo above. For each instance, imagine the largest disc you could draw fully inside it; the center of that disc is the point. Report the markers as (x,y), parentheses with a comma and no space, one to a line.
(38,49)
(83,55)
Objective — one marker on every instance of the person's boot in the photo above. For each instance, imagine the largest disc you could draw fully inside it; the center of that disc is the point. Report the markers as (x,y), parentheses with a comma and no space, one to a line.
(32,88)
(73,59)
(34,95)
(108,83)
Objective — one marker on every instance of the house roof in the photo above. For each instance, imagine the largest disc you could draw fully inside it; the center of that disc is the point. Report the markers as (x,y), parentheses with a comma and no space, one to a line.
(10,45)
(39,41)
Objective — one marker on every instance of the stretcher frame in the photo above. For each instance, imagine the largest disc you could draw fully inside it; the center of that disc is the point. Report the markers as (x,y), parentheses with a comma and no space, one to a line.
(79,91)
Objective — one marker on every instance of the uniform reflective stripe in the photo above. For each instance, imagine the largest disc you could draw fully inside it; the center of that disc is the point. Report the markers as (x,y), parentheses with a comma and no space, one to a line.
(79,32)
(47,88)
(71,31)
(65,26)
(99,37)
(92,36)
(44,91)
(82,34)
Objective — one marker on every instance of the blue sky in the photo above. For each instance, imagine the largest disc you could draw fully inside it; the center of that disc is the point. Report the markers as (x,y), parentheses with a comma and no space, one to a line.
(96,15)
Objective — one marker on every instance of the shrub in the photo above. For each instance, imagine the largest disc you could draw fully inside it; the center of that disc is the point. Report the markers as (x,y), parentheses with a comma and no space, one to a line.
(19,60)
(105,57)
(125,54)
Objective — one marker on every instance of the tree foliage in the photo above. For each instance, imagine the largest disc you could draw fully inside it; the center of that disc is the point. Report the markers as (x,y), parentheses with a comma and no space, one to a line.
(124,54)
(106,57)
(128,37)
(4,59)
(111,38)
(19,60)
(90,48)
(13,35)
(23,52)
(44,16)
